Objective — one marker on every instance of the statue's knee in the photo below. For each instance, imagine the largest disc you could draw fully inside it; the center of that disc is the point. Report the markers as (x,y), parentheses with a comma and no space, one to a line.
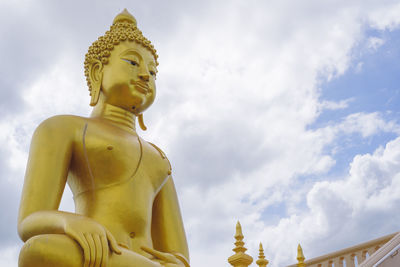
(50,250)
(32,251)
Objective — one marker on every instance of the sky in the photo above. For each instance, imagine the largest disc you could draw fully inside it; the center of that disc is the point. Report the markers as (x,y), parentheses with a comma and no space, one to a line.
(281,114)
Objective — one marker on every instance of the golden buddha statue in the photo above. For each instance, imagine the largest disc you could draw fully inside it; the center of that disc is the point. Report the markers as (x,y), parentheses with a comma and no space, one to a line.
(127,211)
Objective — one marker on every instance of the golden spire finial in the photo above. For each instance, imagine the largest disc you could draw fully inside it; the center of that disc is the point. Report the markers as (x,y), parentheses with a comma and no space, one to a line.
(300,257)
(239,258)
(125,16)
(239,237)
(262,262)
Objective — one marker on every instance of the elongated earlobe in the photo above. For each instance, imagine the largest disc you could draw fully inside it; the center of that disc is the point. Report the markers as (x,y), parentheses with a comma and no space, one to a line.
(141,122)
(96,77)
(94,96)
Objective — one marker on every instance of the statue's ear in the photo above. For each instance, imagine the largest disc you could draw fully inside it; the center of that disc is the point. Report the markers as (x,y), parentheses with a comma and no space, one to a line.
(96,78)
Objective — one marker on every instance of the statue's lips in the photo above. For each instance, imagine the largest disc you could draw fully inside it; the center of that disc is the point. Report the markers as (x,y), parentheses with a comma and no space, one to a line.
(142,87)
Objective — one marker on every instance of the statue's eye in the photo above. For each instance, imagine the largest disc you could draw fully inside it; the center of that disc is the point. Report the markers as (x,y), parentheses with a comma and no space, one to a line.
(132,62)
(152,73)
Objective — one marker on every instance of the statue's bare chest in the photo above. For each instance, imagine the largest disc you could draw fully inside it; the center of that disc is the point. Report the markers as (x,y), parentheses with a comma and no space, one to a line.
(108,156)
(112,155)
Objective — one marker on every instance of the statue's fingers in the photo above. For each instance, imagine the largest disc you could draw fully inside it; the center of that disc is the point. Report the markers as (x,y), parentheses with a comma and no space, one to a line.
(99,251)
(83,244)
(113,243)
(151,251)
(85,247)
(158,254)
(92,249)
(104,247)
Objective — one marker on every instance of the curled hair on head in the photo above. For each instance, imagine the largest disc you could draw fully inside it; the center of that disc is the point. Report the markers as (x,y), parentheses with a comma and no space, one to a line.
(123,28)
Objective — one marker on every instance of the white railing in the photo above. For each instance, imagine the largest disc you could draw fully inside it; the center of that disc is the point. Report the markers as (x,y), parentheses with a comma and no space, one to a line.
(387,255)
(352,256)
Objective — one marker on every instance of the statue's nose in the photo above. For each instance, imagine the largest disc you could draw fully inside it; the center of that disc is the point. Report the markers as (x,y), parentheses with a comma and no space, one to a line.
(144,77)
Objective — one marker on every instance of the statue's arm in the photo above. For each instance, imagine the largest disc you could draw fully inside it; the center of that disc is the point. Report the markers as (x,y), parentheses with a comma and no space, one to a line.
(167,226)
(45,178)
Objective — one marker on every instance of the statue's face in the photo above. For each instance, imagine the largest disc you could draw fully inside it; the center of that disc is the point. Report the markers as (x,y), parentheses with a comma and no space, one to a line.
(129,77)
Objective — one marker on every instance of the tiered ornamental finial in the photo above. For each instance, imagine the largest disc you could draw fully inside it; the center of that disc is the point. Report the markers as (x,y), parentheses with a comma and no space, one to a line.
(262,262)
(300,257)
(240,258)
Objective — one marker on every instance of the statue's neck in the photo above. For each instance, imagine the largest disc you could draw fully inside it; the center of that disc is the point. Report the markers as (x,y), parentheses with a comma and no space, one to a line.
(116,115)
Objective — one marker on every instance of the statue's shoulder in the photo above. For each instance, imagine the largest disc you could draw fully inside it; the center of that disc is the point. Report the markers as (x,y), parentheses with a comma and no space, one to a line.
(63,122)
(61,125)
(156,150)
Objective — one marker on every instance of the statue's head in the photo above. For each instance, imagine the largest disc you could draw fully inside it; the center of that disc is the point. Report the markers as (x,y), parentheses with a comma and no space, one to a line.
(121,67)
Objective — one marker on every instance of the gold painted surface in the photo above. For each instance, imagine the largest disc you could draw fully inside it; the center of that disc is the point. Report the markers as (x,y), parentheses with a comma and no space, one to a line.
(126,206)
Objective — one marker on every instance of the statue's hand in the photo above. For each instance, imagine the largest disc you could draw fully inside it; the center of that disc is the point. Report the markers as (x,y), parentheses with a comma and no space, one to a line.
(94,239)
(165,259)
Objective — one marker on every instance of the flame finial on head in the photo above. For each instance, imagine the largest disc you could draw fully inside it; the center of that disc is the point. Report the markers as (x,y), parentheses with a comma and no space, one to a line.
(125,16)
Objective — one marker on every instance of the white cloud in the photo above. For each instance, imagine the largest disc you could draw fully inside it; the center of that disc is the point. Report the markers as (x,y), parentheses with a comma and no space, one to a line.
(383,18)
(331,105)
(365,124)
(9,256)
(374,43)
(345,209)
